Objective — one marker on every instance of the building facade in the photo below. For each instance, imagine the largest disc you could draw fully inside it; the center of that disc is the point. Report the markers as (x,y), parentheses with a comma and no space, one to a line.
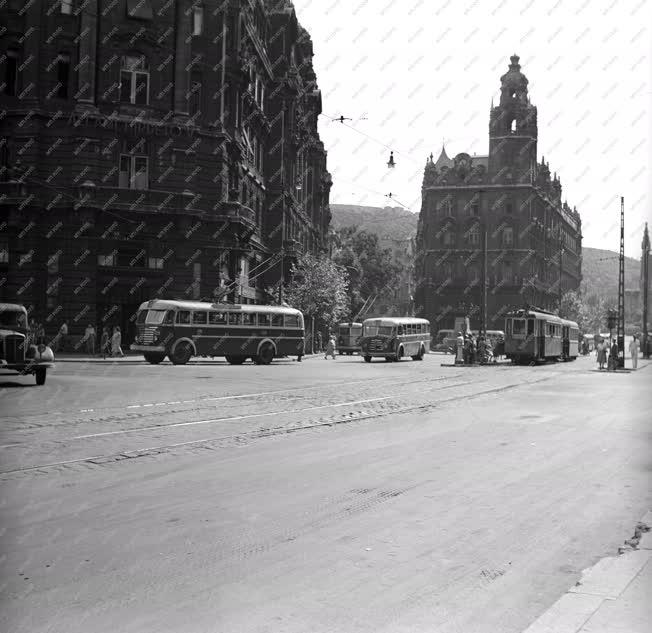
(533,239)
(139,150)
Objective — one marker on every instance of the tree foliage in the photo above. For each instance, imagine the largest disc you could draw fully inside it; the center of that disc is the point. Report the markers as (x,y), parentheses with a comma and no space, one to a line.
(370,267)
(318,288)
(589,311)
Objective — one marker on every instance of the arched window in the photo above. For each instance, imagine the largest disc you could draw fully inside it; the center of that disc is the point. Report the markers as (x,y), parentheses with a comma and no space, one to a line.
(134,80)
(11,72)
(508,236)
(513,125)
(63,75)
(449,237)
(474,235)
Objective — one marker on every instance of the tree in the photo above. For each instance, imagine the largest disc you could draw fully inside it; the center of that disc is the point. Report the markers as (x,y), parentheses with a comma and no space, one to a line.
(573,308)
(370,268)
(318,288)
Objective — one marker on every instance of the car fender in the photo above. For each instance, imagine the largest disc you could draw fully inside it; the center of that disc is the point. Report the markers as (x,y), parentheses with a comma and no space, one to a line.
(185,339)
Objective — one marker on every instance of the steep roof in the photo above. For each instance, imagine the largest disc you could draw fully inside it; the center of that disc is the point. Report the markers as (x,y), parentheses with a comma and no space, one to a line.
(443,160)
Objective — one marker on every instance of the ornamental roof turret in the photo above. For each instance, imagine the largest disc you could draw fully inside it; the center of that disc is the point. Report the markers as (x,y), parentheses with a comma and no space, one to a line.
(513,84)
(444,160)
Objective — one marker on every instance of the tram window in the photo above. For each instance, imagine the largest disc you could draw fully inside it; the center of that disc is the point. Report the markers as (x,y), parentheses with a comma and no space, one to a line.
(199,318)
(508,326)
(235,318)
(277,320)
(217,318)
(183,317)
(530,327)
(291,320)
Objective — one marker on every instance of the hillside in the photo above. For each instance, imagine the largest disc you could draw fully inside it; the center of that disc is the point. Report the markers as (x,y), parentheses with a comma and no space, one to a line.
(599,267)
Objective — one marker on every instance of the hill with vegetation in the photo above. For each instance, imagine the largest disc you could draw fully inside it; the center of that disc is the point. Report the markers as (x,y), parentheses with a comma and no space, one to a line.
(599,267)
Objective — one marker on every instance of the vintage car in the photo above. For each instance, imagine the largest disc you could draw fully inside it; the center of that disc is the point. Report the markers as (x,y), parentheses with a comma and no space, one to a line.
(17,352)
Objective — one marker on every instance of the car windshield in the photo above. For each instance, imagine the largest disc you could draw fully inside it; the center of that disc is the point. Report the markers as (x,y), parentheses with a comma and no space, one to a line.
(12,319)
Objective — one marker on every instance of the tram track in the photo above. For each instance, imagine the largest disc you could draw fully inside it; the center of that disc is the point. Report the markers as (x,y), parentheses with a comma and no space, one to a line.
(375,408)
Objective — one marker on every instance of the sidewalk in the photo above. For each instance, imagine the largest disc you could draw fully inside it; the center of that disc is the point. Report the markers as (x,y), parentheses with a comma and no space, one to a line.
(613,596)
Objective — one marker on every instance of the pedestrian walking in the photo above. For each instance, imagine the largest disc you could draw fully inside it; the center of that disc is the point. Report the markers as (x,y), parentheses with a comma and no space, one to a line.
(89,337)
(62,337)
(633,350)
(105,343)
(459,357)
(612,363)
(601,354)
(116,342)
(330,348)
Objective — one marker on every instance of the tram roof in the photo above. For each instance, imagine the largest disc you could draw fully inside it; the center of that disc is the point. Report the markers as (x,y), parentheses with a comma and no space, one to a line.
(204,305)
(547,316)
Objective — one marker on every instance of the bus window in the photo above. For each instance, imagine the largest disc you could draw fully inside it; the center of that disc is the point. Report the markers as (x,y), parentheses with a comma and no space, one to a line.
(199,318)
(277,320)
(291,320)
(217,318)
(264,320)
(235,318)
(400,330)
(183,317)
(140,317)
(530,327)
(248,318)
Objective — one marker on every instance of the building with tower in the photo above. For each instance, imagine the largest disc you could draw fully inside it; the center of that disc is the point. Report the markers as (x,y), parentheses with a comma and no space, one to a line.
(508,200)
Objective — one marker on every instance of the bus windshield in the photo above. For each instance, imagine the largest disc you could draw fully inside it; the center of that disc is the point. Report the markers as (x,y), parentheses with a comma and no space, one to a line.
(153,317)
(378,330)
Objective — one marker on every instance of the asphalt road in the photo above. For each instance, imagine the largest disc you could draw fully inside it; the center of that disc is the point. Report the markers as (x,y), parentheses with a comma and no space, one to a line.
(313,497)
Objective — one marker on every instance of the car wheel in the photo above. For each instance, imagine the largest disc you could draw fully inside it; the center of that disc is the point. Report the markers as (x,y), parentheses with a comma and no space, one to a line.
(367,359)
(182,353)
(154,359)
(235,360)
(40,373)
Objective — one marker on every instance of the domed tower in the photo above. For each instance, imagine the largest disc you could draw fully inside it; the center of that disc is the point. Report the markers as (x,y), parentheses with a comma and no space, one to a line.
(513,129)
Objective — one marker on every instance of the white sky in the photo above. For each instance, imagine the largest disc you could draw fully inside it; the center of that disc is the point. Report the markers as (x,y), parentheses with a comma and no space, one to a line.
(421,71)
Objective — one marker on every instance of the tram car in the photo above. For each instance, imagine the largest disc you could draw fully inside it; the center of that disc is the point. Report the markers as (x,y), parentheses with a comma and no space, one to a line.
(535,335)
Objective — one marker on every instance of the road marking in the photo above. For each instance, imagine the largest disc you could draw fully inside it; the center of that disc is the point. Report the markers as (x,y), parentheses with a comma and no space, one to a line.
(229,419)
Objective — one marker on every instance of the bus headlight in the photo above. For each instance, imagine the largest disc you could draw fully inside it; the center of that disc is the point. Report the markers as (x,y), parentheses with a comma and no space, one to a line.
(155,334)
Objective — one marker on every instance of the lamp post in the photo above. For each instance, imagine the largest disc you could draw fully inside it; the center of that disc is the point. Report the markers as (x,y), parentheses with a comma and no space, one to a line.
(645,260)
(483,237)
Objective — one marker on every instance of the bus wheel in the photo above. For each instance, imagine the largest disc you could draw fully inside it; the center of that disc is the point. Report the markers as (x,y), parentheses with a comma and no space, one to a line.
(420,355)
(154,359)
(399,354)
(40,373)
(182,353)
(266,355)
(235,360)
(367,359)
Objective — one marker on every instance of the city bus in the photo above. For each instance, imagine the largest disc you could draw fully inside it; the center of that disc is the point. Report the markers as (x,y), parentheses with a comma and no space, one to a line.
(183,329)
(348,335)
(394,338)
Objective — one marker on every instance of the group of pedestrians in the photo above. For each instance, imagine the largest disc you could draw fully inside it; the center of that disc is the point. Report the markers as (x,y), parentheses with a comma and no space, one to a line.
(110,342)
(607,353)
(472,349)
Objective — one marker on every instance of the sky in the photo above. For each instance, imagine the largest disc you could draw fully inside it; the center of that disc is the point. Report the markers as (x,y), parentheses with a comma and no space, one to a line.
(414,74)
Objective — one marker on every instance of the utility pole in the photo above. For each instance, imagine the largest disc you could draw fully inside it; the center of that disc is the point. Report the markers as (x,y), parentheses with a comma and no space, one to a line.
(645,255)
(621,289)
(483,229)
(282,279)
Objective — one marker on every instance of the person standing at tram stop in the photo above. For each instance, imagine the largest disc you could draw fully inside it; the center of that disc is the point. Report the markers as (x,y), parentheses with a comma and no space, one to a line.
(459,341)
(330,347)
(612,364)
(601,351)
(105,342)
(89,336)
(633,350)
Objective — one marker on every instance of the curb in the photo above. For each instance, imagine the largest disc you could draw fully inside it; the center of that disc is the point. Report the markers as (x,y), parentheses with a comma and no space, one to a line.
(598,596)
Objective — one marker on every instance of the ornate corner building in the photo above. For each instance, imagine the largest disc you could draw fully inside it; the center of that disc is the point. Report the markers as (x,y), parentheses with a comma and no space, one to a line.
(154,148)
(533,239)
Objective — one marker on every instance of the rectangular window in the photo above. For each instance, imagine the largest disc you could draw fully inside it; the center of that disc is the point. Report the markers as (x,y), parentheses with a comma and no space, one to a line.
(194,95)
(106,260)
(235,318)
(63,75)
(199,318)
(155,262)
(134,172)
(519,326)
(248,318)
(11,73)
(197,20)
(217,318)
(277,320)
(508,236)
(196,284)
(134,80)
(183,317)
(66,7)
(53,263)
